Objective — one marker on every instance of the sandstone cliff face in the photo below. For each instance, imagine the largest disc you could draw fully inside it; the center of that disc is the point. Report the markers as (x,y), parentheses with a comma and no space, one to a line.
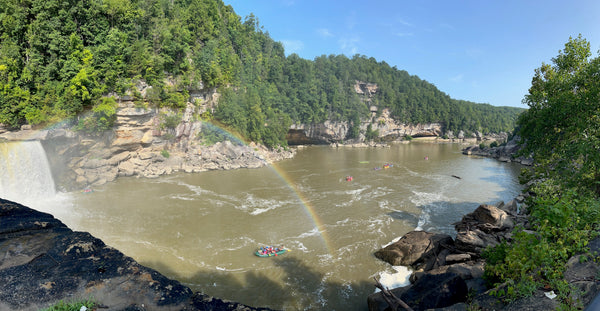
(337,131)
(143,143)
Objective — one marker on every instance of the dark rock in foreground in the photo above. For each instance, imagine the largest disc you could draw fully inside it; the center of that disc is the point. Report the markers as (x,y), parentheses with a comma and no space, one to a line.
(417,249)
(449,272)
(42,261)
(430,291)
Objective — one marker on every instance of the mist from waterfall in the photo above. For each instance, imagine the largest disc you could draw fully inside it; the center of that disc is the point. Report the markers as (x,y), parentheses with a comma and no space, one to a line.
(25,175)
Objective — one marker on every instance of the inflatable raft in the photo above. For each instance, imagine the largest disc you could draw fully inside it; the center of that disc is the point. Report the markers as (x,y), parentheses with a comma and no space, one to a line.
(280,252)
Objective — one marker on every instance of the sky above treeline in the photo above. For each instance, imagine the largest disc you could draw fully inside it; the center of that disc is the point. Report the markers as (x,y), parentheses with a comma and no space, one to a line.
(477,50)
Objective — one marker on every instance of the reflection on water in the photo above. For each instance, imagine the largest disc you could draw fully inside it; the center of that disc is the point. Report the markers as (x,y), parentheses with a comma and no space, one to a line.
(203,229)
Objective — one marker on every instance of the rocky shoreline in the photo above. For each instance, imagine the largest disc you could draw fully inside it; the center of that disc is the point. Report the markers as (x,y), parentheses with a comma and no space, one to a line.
(43,262)
(503,153)
(448,273)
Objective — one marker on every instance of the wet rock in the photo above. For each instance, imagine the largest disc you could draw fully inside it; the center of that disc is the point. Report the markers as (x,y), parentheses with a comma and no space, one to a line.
(428,292)
(415,249)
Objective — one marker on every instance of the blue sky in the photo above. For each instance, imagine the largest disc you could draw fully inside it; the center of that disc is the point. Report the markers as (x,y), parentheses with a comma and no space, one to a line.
(482,51)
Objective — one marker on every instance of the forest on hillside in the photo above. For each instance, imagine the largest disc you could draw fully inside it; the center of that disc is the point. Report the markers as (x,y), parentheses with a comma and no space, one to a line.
(61,58)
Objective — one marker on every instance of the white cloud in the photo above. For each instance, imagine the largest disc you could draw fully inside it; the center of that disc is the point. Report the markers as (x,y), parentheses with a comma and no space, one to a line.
(349,45)
(292,46)
(458,78)
(405,34)
(324,33)
(405,23)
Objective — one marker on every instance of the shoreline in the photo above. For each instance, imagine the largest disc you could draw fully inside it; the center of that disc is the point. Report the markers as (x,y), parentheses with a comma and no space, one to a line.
(80,161)
(427,142)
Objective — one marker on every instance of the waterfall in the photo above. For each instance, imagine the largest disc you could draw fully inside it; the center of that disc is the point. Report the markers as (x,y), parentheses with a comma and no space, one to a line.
(25,175)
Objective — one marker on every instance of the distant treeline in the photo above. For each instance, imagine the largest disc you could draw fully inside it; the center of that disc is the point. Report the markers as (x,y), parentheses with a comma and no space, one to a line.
(61,58)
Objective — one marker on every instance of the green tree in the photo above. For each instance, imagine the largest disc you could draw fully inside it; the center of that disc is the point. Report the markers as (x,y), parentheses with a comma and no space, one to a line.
(561,125)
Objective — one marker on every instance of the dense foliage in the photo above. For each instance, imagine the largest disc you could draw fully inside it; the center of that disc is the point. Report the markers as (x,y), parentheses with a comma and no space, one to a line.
(561,130)
(59,58)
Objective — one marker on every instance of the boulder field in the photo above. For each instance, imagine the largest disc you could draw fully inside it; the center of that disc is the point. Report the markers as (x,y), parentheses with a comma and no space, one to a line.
(448,273)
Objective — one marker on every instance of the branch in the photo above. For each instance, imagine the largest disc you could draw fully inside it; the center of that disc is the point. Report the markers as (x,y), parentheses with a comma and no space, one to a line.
(393,301)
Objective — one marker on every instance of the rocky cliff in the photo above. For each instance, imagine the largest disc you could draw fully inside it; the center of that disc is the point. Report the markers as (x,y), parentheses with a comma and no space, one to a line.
(146,143)
(508,152)
(389,129)
(381,121)
(43,262)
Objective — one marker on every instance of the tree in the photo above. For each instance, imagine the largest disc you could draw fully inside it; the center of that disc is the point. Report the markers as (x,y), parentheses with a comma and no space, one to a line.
(561,126)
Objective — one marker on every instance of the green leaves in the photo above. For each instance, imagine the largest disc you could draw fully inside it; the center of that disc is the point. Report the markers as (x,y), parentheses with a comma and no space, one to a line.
(561,126)
(561,131)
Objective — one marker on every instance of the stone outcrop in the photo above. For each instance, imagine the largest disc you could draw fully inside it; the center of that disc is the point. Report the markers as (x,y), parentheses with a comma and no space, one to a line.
(365,88)
(504,153)
(486,226)
(417,249)
(145,143)
(389,129)
(456,266)
(43,262)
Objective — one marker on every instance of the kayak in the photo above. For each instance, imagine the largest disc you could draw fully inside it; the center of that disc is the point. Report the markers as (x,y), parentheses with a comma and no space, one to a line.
(281,252)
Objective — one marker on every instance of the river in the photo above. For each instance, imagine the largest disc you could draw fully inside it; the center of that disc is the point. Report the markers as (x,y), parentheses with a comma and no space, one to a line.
(202,229)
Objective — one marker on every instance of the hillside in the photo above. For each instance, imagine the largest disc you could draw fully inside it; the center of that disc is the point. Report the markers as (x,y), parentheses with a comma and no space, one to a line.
(59,59)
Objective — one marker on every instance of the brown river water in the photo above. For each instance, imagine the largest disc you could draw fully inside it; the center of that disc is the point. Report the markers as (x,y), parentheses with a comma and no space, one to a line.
(203,229)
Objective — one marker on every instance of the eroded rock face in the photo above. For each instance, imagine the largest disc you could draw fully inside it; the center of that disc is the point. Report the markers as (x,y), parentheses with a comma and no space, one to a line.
(504,153)
(486,226)
(141,145)
(42,261)
(417,249)
(334,131)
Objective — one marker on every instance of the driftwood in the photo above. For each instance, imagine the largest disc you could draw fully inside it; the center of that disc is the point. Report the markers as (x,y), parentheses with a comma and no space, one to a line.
(393,301)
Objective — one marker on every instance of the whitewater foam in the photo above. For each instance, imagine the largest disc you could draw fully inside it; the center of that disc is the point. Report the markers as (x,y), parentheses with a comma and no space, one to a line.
(398,278)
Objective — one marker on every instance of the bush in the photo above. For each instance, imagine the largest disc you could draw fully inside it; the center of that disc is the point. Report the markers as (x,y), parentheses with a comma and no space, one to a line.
(494,144)
(170,121)
(165,153)
(102,117)
(408,137)
(564,223)
(71,306)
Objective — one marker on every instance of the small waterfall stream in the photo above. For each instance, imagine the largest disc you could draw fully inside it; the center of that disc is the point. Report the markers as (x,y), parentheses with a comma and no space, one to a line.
(25,175)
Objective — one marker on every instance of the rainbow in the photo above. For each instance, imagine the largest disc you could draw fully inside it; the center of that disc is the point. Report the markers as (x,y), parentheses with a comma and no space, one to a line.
(310,210)
(308,207)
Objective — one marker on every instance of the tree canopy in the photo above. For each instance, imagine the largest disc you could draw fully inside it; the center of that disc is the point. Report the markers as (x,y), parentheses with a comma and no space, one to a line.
(561,130)
(561,127)
(59,58)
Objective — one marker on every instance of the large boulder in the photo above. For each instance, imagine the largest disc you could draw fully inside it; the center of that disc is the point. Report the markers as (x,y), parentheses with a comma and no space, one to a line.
(428,292)
(417,249)
(484,227)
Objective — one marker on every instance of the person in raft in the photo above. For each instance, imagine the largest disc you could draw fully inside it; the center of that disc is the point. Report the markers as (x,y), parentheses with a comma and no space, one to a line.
(266,250)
